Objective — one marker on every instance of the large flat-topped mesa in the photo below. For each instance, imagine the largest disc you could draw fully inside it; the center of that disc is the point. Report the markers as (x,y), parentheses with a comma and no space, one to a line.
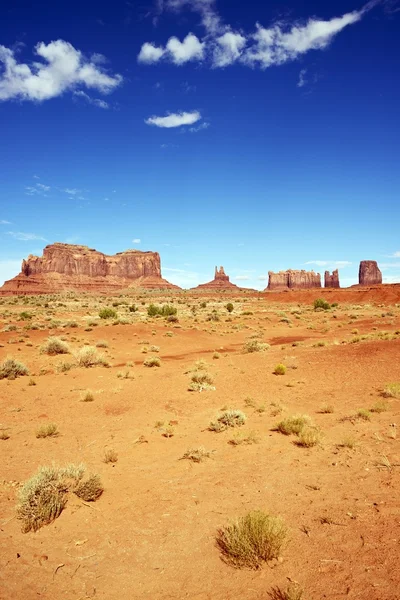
(293,280)
(369,273)
(71,267)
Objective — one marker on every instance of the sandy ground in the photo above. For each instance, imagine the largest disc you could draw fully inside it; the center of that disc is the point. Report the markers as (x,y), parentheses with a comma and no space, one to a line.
(152,533)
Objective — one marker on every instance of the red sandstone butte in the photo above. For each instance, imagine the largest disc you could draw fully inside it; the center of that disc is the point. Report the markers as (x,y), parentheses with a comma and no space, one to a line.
(293,280)
(70,267)
(369,273)
(332,281)
(220,282)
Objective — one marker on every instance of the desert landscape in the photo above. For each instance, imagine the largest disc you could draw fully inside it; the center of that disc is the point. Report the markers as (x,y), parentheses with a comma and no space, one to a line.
(166,418)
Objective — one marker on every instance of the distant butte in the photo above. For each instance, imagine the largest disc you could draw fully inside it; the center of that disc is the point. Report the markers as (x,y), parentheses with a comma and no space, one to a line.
(332,281)
(220,282)
(293,280)
(71,267)
(369,273)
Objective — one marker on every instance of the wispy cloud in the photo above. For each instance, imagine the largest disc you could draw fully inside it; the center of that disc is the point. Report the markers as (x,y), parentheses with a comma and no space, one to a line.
(279,43)
(333,264)
(38,188)
(394,255)
(43,187)
(71,191)
(182,277)
(174,119)
(302,78)
(242,278)
(200,127)
(25,237)
(4,222)
(93,101)
(262,277)
(57,68)
(136,241)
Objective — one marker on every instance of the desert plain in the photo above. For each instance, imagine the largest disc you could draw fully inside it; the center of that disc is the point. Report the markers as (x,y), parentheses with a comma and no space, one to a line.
(152,534)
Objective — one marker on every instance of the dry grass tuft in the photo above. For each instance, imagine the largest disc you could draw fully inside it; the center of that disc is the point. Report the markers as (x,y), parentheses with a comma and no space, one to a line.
(87,396)
(244,438)
(110,456)
(327,409)
(391,390)
(293,425)
(54,345)
(293,592)
(379,407)
(11,369)
(43,497)
(89,490)
(255,346)
(47,430)
(200,380)
(251,540)
(196,454)
(153,361)
(229,418)
(309,437)
(90,357)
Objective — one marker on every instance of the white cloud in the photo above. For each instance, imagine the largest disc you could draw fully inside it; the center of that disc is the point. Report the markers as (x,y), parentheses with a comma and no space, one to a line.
(333,264)
(60,68)
(93,101)
(228,49)
(175,51)
(9,269)
(36,177)
(302,78)
(182,277)
(4,222)
(395,254)
(25,237)
(43,187)
(136,241)
(242,278)
(71,191)
(174,119)
(385,266)
(266,46)
(391,279)
(200,127)
(149,53)
(262,277)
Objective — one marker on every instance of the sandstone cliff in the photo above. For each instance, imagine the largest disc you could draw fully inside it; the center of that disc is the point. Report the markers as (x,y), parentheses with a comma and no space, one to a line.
(293,280)
(71,267)
(332,281)
(369,273)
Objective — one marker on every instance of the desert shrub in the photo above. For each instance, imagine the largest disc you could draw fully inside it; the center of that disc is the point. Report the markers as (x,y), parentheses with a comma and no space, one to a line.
(327,409)
(203,304)
(11,369)
(166,310)
(87,396)
(251,540)
(172,319)
(364,414)
(216,355)
(47,430)
(293,425)
(255,346)
(321,303)
(309,437)
(229,307)
(25,316)
(42,498)
(4,436)
(133,308)
(379,407)
(107,313)
(280,369)
(244,438)
(213,316)
(391,390)
(110,456)
(89,357)
(196,454)
(152,361)
(228,418)
(293,592)
(64,366)
(53,345)
(101,344)
(200,380)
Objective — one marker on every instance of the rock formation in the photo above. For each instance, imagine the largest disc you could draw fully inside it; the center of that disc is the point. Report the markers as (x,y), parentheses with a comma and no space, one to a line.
(293,280)
(220,282)
(332,281)
(69,267)
(369,273)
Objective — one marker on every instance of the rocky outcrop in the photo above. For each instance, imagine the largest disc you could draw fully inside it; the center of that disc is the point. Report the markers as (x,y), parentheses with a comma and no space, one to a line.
(293,280)
(369,273)
(332,281)
(220,282)
(70,267)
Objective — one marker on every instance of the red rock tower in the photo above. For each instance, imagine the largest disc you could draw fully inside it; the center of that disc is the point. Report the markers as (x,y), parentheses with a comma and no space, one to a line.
(369,273)
(220,274)
(332,281)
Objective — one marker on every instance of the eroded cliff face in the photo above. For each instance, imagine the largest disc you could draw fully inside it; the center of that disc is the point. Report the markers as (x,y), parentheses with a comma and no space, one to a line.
(332,281)
(69,266)
(369,273)
(293,280)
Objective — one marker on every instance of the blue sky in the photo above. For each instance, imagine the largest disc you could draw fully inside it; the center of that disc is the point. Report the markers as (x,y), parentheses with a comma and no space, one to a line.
(258,136)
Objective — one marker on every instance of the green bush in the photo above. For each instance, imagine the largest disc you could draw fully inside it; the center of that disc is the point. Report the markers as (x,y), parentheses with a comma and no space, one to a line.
(166,310)
(229,307)
(321,303)
(107,313)
(133,308)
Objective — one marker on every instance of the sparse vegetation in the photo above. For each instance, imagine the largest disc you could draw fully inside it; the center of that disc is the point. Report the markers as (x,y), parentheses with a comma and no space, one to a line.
(152,361)
(90,357)
(293,425)
(309,437)
(54,345)
(391,390)
(110,456)
(251,540)
(255,346)
(87,396)
(42,498)
(107,313)
(280,369)
(47,430)
(228,418)
(11,369)
(196,454)
(166,310)
(321,304)
(245,438)
(200,381)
